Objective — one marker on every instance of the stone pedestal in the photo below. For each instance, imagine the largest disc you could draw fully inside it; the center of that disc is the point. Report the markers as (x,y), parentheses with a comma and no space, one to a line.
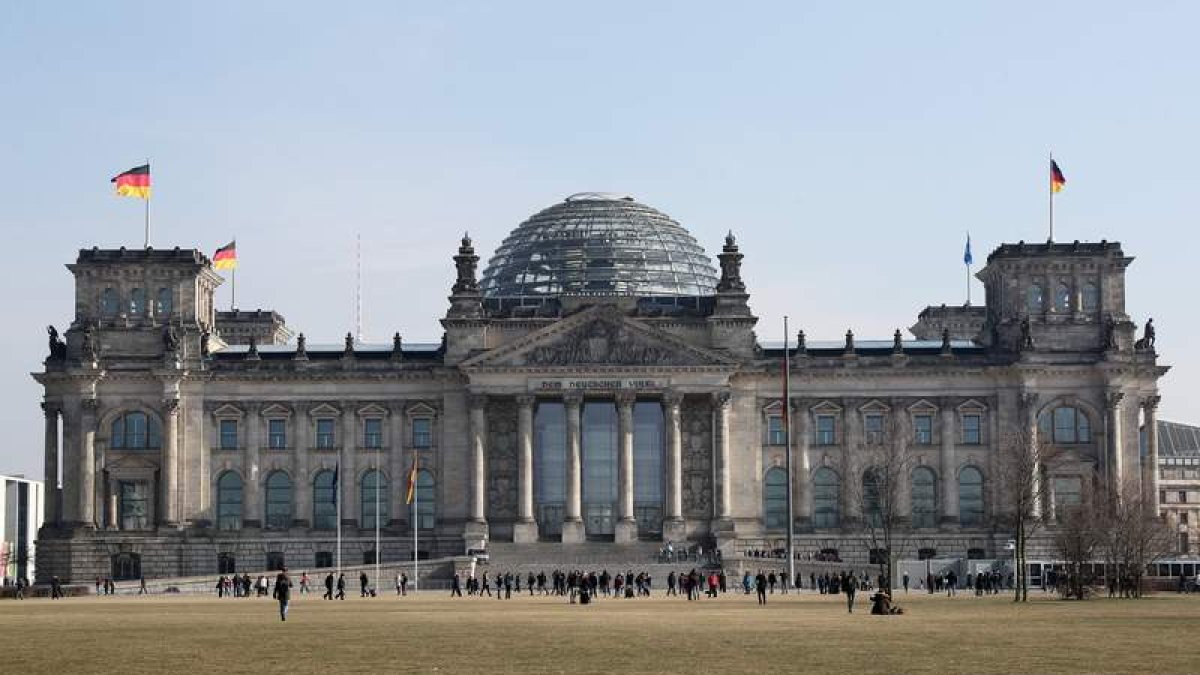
(572,532)
(525,532)
(674,529)
(475,535)
(625,532)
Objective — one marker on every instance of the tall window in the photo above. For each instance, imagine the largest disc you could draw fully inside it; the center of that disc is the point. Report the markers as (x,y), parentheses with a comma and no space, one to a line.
(826,430)
(1091,297)
(425,500)
(229,501)
(277,434)
(923,429)
(1062,298)
(324,501)
(137,302)
(134,513)
(648,476)
(229,434)
(422,432)
(550,465)
(110,304)
(373,499)
(599,437)
(373,433)
(279,501)
(872,491)
(970,497)
(826,498)
(1068,493)
(972,429)
(1065,425)
(924,498)
(162,306)
(135,431)
(325,434)
(775,430)
(1034,299)
(775,515)
(873,425)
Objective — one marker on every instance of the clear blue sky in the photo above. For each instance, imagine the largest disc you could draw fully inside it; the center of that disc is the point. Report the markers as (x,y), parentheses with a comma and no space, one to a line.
(849,145)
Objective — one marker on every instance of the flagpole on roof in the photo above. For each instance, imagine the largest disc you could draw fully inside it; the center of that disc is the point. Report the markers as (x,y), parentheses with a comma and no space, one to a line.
(1051,240)
(147,245)
(787,444)
(967,260)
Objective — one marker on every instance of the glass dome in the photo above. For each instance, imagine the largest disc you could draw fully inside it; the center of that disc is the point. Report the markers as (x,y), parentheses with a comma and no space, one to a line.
(600,243)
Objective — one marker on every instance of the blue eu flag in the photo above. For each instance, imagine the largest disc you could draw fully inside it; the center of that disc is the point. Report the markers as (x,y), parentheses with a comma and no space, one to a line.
(967,259)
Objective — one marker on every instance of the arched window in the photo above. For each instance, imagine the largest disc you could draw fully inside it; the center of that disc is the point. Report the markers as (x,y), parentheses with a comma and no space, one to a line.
(970,497)
(373,499)
(1065,424)
(1034,299)
(229,501)
(424,498)
(924,498)
(1091,297)
(872,492)
(279,501)
(137,302)
(135,431)
(110,304)
(163,305)
(324,502)
(826,498)
(1062,298)
(775,515)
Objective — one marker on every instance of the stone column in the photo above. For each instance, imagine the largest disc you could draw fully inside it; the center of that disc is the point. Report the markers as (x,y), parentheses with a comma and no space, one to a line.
(251,504)
(302,505)
(1116,459)
(721,403)
(674,528)
(525,530)
(478,423)
(50,475)
(572,527)
(87,463)
(169,483)
(114,505)
(1152,474)
(399,481)
(626,526)
(801,467)
(348,473)
(949,510)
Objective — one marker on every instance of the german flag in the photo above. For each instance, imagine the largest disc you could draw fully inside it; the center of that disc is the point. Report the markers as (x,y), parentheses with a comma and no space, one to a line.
(134,182)
(226,257)
(1057,180)
(412,483)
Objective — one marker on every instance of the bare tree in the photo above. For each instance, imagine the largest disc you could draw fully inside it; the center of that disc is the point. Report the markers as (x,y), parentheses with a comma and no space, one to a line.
(879,493)
(1023,495)
(1079,535)
(1135,537)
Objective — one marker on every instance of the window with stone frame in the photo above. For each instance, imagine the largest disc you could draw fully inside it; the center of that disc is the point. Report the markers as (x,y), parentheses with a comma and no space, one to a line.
(826,430)
(110,303)
(277,434)
(1035,299)
(278,501)
(424,498)
(326,433)
(970,497)
(422,432)
(137,302)
(1065,425)
(227,434)
(373,432)
(924,498)
(775,515)
(972,428)
(324,501)
(1062,297)
(775,434)
(164,303)
(135,431)
(1091,297)
(1068,493)
(826,498)
(229,501)
(873,427)
(133,505)
(923,429)
(373,499)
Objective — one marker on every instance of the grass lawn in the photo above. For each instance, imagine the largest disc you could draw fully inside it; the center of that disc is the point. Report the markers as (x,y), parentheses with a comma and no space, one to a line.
(806,633)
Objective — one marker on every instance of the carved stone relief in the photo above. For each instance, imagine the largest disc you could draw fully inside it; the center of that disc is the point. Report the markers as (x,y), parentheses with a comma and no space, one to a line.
(502,458)
(605,342)
(697,458)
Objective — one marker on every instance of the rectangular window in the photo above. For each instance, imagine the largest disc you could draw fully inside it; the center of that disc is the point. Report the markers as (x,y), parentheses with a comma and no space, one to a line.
(373,433)
(826,430)
(873,425)
(923,429)
(1182,496)
(1183,517)
(775,430)
(277,434)
(422,432)
(972,426)
(325,434)
(1067,492)
(229,435)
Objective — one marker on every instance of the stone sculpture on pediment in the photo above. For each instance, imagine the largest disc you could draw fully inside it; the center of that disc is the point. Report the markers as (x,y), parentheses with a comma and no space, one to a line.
(605,343)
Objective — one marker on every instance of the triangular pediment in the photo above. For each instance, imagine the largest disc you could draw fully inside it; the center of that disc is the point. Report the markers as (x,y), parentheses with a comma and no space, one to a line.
(598,337)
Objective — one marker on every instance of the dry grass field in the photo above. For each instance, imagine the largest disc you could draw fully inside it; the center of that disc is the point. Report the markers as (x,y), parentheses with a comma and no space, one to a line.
(435,634)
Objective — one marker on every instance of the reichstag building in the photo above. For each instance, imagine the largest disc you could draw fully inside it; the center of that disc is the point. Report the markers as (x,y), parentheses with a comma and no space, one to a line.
(600,381)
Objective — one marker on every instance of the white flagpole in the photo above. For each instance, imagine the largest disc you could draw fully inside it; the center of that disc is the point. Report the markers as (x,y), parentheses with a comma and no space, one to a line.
(338,507)
(416,525)
(377,554)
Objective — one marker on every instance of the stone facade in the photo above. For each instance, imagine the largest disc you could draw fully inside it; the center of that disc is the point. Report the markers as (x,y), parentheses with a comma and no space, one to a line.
(180,450)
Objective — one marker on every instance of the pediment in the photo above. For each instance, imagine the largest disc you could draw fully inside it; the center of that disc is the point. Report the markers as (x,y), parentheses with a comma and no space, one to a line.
(129,463)
(276,410)
(420,409)
(324,409)
(227,410)
(599,336)
(922,406)
(372,410)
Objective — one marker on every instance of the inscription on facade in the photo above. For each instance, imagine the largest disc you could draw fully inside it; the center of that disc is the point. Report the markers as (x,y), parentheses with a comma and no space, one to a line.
(597,384)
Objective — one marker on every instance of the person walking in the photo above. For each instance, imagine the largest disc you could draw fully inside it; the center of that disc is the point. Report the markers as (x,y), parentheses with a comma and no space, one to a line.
(20,588)
(849,585)
(55,588)
(456,586)
(398,585)
(328,587)
(760,585)
(341,586)
(363,585)
(304,583)
(283,592)
(906,583)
